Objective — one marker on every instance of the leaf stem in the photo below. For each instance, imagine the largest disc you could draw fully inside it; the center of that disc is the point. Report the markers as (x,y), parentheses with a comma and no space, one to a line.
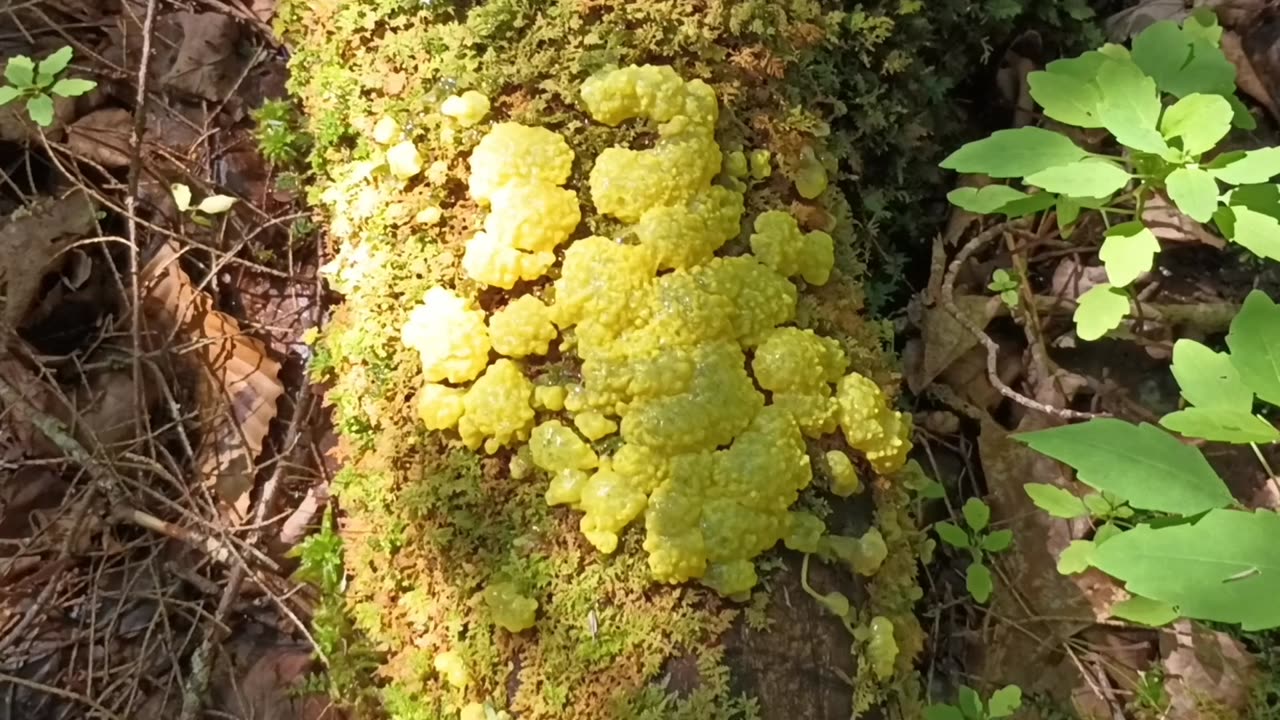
(1271,474)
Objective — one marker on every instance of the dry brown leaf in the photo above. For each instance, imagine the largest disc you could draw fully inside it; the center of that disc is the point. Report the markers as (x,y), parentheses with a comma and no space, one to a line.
(239,383)
(208,64)
(1169,224)
(1207,673)
(31,239)
(1071,279)
(267,691)
(946,340)
(1247,78)
(103,137)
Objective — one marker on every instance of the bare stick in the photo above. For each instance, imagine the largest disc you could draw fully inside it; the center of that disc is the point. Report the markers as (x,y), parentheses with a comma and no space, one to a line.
(993,348)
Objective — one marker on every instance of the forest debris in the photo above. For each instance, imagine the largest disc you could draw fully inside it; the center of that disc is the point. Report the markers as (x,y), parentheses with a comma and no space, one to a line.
(30,240)
(208,65)
(239,383)
(103,137)
(268,689)
(1247,78)
(1207,673)
(1167,223)
(17,126)
(1127,23)
(946,340)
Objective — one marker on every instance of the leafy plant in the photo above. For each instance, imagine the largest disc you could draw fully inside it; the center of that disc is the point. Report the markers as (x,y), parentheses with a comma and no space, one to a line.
(969,706)
(1167,103)
(279,133)
(1005,284)
(980,542)
(211,205)
(1201,557)
(38,82)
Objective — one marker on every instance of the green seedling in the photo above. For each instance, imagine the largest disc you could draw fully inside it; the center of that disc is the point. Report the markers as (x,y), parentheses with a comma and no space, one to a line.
(211,205)
(39,82)
(969,706)
(1005,284)
(979,541)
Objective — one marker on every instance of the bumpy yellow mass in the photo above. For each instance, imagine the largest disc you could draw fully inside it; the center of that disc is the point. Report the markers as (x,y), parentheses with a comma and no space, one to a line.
(508,608)
(522,328)
(449,335)
(468,108)
(496,411)
(779,244)
(870,425)
(512,152)
(712,453)
(517,171)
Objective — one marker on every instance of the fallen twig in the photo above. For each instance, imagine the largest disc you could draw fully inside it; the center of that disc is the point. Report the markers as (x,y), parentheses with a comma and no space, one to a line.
(992,347)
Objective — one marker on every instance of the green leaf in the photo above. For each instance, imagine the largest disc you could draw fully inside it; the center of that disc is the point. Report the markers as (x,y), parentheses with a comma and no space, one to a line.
(1031,204)
(1099,310)
(1076,558)
(1068,212)
(1208,379)
(1247,168)
(1098,505)
(56,61)
(1202,24)
(1254,341)
(20,71)
(216,204)
(1255,231)
(1145,611)
(976,514)
(8,94)
(1014,153)
(998,541)
(1005,701)
(977,580)
(1200,120)
(970,702)
(1127,252)
(1066,99)
(72,87)
(1140,463)
(1107,531)
(181,196)
(1161,50)
(1083,67)
(1054,500)
(1224,567)
(1263,198)
(1208,71)
(40,108)
(942,712)
(1194,191)
(1130,107)
(1220,425)
(1084,178)
(933,490)
(951,534)
(986,200)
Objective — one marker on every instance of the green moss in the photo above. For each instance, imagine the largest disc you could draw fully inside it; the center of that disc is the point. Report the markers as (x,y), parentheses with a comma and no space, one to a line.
(428,524)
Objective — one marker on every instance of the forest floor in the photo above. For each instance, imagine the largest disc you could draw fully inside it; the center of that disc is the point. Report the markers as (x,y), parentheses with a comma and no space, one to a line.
(162,450)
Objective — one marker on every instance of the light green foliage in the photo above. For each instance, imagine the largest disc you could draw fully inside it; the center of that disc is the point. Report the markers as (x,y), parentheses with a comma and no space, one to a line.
(1166,104)
(199,213)
(1206,560)
(39,82)
(1005,284)
(279,132)
(1099,309)
(1127,252)
(1227,566)
(979,541)
(1140,463)
(969,706)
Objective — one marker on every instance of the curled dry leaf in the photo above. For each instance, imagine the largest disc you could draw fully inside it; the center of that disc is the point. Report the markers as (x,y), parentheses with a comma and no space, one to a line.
(946,340)
(102,136)
(239,384)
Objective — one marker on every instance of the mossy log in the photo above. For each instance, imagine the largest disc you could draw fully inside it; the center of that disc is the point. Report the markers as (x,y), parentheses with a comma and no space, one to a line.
(851,92)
